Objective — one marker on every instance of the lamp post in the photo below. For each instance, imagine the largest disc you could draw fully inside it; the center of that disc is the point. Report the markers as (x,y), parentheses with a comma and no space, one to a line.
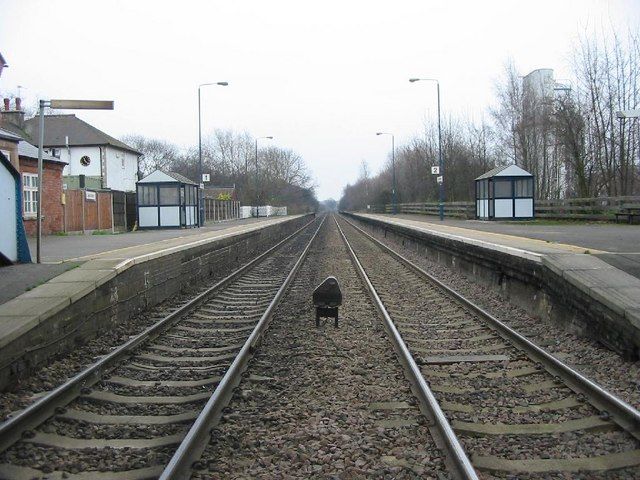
(257,187)
(62,104)
(200,183)
(440,163)
(394,207)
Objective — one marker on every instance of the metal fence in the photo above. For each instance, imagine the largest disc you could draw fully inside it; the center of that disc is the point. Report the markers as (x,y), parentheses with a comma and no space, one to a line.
(220,210)
(600,208)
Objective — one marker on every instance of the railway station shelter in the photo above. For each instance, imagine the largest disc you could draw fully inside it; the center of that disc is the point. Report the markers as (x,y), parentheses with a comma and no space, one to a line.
(505,192)
(167,200)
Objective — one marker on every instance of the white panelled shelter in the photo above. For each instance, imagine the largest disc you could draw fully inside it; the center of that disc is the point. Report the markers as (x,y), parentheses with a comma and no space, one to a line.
(167,200)
(505,192)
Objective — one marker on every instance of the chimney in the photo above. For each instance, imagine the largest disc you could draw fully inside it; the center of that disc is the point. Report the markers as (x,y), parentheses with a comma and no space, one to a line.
(13,117)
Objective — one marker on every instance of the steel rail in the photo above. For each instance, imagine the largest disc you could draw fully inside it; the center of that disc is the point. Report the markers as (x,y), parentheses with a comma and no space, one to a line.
(458,460)
(623,414)
(12,429)
(194,443)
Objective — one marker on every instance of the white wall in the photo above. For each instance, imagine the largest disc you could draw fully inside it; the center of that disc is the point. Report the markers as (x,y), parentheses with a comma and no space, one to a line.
(169,216)
(118,177)
(524,207)
(8,232)
(504,208)
(148,216)
(75,167)
(121,169)
(482,208)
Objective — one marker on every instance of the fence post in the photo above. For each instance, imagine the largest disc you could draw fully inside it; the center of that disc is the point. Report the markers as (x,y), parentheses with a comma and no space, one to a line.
(126,225)
(83,193)
(113,223)
(98,210)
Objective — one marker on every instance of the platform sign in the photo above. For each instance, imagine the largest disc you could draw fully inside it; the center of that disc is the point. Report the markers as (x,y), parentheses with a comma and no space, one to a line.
(91,196)
(439,179)
(206,177)
(435,170)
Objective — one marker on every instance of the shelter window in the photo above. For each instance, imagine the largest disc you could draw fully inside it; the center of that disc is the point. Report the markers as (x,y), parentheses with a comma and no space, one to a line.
(524,188)
(169,195)
(30,193)
(147,195)
(502,189)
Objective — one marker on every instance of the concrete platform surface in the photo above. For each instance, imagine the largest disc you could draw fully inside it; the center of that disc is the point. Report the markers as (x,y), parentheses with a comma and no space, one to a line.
(62,254)
(616,244)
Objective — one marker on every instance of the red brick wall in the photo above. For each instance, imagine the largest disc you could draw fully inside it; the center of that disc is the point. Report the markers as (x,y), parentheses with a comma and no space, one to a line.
(52,210)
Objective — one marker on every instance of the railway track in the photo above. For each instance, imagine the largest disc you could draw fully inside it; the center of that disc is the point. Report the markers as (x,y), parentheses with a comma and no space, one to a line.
(124,416)
(322,402)
(310,402)
(517,411)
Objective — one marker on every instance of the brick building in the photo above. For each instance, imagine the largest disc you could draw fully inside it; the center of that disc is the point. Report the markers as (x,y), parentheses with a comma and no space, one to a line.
(25,159)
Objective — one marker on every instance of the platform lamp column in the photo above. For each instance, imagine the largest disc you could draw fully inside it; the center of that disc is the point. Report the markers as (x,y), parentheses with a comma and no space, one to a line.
(440,161)
(200,182)
(257,178)
(394,204)
(65,105)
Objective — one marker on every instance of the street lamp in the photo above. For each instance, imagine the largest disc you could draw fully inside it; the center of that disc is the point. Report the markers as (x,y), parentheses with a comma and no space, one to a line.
(257,189)
(393,171)
(62,104)
(440,163)
(200,183)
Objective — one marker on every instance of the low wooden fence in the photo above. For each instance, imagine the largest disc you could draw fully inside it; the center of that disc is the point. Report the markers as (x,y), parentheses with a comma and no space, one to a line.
(87,210)
(220,210)
(596,209)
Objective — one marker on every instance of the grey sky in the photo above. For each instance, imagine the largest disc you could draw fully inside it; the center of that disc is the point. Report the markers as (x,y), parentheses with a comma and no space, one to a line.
(321,77)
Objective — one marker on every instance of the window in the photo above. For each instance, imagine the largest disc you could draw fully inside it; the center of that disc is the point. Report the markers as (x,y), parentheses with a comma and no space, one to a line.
(169,195)
(147,195)
(524,187)
(30,193)
(502,188)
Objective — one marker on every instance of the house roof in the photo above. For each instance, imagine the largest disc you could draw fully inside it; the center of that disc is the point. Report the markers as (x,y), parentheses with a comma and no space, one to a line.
(505,171)
(57,127)
(25,149)
(7,135)
(158,176)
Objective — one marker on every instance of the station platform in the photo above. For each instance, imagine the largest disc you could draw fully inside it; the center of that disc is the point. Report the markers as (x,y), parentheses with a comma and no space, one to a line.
(66,252)
(93,281)
(616,244)
(586,270)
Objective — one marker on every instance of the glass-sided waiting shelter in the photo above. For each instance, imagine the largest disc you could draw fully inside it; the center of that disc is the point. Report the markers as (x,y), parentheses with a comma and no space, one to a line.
(505,192)
(167,200)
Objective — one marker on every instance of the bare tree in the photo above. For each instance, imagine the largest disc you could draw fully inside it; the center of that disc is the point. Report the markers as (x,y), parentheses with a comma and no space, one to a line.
(156,154)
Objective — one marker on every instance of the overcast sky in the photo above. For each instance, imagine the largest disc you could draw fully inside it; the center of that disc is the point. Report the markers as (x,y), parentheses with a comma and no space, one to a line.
(321,77)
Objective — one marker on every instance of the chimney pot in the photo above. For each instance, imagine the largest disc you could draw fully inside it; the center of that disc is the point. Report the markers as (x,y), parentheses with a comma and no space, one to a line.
(7,105)
(18,104)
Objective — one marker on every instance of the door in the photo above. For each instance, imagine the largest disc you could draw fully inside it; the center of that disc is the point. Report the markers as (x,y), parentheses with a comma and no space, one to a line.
(183,213)
(8,215)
